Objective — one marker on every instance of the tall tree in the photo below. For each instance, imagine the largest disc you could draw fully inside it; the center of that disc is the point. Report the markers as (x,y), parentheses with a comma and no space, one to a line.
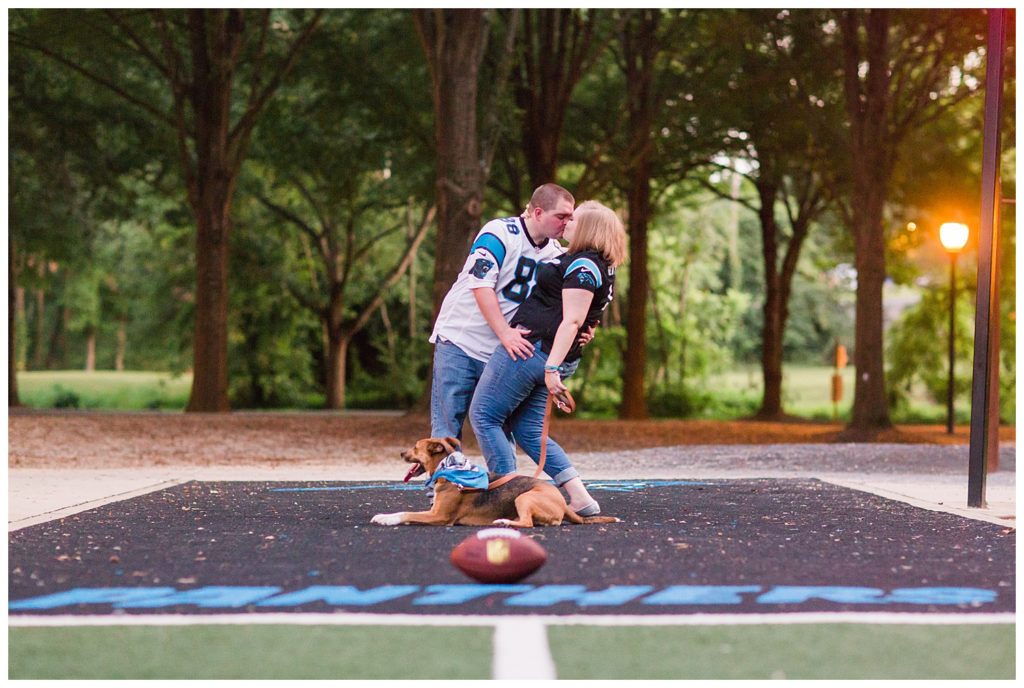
(350,182)
(557,48)
(455,44)
(213,64)
(901,69)
(640,47)
(340,253)
(781,144)
(638,129)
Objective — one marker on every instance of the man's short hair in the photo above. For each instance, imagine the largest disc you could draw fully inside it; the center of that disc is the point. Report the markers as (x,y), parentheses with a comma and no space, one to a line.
(547,196)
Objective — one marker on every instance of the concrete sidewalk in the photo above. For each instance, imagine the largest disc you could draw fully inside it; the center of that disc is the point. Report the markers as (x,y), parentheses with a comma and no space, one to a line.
(924,476)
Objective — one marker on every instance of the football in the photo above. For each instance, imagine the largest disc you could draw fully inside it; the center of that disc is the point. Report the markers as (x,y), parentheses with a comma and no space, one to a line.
(498,555)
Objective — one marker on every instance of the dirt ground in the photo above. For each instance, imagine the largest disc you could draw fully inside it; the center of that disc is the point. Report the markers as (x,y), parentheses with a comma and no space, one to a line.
(83,439)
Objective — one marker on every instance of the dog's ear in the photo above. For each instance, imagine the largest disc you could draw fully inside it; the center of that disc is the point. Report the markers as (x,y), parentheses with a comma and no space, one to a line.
(448,445)
(436,447)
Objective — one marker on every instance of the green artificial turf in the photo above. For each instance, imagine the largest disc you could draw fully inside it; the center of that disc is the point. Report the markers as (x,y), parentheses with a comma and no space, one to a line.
(832,651)
(250,652)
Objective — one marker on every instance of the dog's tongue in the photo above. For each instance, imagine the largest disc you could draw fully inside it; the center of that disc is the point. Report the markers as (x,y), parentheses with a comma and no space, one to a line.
(413,472)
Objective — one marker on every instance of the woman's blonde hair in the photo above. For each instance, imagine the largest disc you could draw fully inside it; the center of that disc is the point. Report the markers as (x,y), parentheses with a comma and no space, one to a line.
(598,228)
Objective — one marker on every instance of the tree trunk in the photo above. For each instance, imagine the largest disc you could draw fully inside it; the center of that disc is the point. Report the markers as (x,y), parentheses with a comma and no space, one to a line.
(454,42)
(413,330)
(684,289)
(90,349)
(56,351)
(634,398)
(215,41)
(557,46)
(870,404)
(21,320)
(210,337)
(871,145)
(337,353)
(12,347)
(39,348)
(773,327)
(640,50)
(122,343)
(389,332)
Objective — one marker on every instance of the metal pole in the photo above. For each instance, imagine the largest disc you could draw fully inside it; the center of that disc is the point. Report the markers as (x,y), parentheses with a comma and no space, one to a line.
(986,369)
(952,344)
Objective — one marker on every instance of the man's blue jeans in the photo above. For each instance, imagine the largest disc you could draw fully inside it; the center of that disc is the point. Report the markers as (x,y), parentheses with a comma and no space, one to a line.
(513,392)
(455,377)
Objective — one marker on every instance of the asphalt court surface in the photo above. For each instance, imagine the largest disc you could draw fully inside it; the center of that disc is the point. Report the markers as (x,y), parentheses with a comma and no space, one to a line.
(684,546)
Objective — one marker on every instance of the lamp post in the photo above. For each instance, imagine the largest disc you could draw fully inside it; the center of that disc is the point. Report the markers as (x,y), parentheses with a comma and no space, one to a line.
(953,236)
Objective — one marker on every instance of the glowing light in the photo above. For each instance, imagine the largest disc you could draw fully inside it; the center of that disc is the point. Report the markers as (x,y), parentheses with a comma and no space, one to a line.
(953,236)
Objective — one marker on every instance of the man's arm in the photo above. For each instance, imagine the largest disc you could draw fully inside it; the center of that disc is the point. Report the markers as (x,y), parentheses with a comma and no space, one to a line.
(511,338)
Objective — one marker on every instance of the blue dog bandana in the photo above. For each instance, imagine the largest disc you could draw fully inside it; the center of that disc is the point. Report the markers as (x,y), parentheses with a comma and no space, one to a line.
(459,470)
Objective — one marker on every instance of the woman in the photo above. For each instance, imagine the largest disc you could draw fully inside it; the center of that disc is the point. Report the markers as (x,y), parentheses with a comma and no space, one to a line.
(569,297)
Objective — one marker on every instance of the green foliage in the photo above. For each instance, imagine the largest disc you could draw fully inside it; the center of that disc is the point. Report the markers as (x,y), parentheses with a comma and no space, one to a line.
(65,398)
(100,223)
(400,377)
(597,383)
(917,354)
(917,349)
(269,345)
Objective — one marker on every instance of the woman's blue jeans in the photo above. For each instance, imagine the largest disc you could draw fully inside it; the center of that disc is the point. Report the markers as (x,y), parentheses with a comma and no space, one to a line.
(513,392)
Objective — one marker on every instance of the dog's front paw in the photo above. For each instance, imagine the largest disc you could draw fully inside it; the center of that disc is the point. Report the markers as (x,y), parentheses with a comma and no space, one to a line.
(502,522)
(387,519)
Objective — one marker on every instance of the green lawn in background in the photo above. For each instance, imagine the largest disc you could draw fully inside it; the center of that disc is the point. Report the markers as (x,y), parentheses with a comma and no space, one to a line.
(250,652)
(794,651)
(806,391)
(103,389)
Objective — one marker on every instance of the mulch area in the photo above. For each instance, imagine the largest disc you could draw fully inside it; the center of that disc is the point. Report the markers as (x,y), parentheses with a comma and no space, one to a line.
(84,439)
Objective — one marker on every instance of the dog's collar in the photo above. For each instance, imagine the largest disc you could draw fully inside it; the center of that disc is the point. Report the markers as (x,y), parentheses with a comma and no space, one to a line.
(460,471)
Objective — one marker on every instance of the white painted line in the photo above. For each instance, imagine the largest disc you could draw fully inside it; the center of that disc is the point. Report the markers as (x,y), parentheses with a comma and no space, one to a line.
(521,650)
(63,512)
(349,619)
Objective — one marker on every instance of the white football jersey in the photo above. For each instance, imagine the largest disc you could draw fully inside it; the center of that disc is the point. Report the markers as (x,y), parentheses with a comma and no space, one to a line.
(503,258)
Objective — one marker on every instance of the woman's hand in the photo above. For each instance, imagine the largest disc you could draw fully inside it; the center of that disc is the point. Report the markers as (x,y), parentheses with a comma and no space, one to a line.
(553,381)
(558,392)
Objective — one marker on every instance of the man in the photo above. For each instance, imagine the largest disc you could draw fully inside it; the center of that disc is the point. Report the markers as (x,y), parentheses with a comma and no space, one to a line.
(496,279)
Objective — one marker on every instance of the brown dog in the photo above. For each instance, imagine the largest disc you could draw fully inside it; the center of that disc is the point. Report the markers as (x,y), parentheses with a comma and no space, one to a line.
(521,502)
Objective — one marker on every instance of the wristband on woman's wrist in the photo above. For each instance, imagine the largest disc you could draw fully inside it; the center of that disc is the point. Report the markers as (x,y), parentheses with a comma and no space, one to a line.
(550,369)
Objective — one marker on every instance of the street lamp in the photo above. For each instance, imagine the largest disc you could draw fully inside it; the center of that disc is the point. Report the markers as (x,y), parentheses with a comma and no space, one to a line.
(953,236)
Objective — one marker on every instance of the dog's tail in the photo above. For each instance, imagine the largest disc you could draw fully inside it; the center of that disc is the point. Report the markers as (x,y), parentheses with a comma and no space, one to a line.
(573,517)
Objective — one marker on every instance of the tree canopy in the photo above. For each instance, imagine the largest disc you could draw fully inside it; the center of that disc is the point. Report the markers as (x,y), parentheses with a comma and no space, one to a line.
(277,200)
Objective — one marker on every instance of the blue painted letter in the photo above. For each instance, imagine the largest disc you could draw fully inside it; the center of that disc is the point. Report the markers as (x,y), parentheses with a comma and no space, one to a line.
(211,596)
(797,594)
(701,594)
(457,594)
(959,596)
(340,595)
(89,596)
(547,595)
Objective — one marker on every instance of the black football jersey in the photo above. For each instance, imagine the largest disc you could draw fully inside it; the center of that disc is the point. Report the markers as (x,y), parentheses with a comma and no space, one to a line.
(542,312)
